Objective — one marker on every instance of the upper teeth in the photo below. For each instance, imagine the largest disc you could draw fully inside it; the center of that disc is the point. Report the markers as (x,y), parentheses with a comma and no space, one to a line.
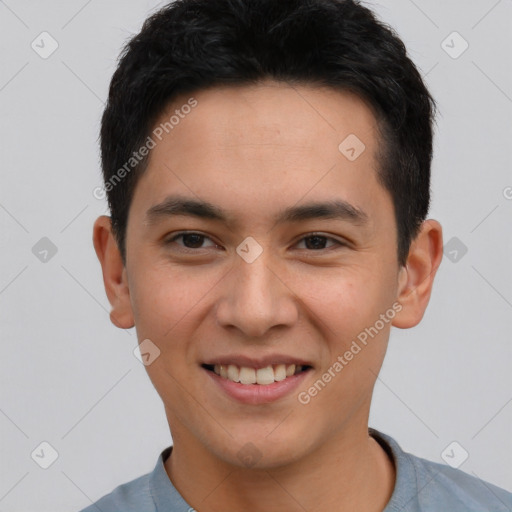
(263,376)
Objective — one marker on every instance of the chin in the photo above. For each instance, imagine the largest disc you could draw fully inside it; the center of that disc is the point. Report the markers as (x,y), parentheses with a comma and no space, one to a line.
(262,449)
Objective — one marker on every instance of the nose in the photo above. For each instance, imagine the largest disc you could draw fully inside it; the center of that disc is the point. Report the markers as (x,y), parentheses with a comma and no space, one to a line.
(256,297)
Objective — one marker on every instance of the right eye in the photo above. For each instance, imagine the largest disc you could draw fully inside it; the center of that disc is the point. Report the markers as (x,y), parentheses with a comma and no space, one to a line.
(191,240)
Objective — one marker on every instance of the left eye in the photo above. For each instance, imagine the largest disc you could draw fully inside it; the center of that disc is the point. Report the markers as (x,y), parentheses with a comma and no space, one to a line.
(193,240)
(319,240)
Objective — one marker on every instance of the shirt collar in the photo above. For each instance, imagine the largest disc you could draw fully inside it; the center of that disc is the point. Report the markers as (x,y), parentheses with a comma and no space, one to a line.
(404,495)
(162,490)
(405,492)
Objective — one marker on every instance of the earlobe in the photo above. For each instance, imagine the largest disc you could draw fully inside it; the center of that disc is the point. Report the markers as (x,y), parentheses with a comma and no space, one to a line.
(114,273)
(416,279)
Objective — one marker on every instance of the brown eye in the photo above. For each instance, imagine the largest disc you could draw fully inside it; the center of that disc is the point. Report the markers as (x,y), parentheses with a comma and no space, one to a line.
(190,240)
(317,242)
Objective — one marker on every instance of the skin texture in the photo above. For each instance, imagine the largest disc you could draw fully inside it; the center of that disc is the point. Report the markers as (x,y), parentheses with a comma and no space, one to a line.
(255,150)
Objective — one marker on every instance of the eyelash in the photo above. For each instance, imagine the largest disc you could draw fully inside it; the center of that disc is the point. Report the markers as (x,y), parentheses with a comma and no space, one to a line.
(310,235)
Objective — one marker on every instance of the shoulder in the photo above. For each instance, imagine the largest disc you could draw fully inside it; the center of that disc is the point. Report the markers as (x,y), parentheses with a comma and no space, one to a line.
(439,484)
(426,486)
(131,496)
(151,492)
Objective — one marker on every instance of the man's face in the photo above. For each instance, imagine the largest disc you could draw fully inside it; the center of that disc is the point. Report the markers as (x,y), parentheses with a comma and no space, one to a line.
(273,292)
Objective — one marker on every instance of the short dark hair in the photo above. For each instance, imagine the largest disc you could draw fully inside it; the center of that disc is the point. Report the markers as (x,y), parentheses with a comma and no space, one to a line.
(190,45)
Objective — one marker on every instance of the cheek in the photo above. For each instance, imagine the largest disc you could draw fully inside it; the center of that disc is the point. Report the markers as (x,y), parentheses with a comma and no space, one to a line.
(165,304)
(348,308)
(343,300)
(152,307)
(165,299)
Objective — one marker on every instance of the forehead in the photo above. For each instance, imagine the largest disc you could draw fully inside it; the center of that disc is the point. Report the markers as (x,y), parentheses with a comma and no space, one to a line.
(265,145)
(255,114)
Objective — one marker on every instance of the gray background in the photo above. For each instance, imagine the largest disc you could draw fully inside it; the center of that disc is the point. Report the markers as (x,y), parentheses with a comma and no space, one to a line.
(70,378)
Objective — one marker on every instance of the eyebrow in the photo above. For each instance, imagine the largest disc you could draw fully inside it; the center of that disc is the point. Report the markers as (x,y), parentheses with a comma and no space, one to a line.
(184,206)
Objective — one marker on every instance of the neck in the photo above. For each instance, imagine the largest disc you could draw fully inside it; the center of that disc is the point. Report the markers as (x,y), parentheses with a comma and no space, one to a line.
(347,472)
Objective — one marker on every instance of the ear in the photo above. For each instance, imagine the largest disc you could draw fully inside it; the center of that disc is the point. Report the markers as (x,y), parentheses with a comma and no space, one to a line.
(417,277)
(114,273)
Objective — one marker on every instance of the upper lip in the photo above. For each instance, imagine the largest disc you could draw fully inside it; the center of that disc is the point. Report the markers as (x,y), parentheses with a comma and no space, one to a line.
(257,362)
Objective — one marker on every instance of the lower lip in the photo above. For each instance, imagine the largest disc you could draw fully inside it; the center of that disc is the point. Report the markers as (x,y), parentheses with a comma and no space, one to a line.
(257,393)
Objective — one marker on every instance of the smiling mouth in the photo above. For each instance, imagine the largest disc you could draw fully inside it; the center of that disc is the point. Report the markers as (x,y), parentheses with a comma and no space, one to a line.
(262,376)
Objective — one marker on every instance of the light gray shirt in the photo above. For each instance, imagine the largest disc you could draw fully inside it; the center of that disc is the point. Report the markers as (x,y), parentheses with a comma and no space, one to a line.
(421,486)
